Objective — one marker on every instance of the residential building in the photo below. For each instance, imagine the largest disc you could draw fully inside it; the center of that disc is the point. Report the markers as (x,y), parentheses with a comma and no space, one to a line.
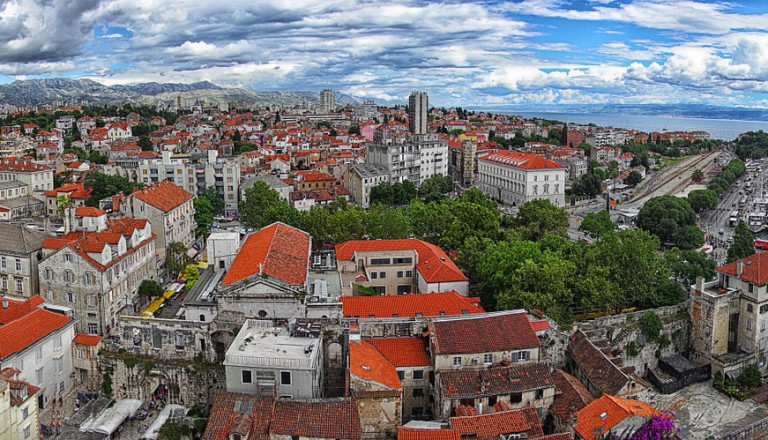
(406,156)
(19,417)
(37,177)
(513,178)
(38,343)
(85,359)
(98,273)
(611,415)
(425,305)
(17,201)
(418,109)
(273,182)
(571,397)
(359,179)
(730,317)
(600,370)
(327,101)
(391,267)
(249,417)
(483,339)
(19,251)
(271,361)
(411,360)
(169,209)
(69,194)
(375,386)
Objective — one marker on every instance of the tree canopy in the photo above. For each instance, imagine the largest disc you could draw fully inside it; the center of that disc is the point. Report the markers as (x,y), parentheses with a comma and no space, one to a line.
(103,185)
(743,243)
(668,217)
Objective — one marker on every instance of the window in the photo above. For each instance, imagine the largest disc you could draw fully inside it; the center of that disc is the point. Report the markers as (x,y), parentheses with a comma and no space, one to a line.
(457,361)
(39,354)
(68,276)
(404,289)
(751,288)
(61,387)
(540,394)
(749,307)
(417,411)
(382,275)
(19,285)
(3,263)
(49,295)
(48,273)
(91,300)
(285,378)
(492,400)
(57,343)
(93,328)
(516,397)
(399,273)
(70,297)
(488,358)
(5,282)
(374,275)
(748,344)
(247,376)
(407,260)
(380,290)
(380,261)
(59,365)
(400,374)
(80,353)
(18,264)
(39,373)
(764,308)
(418,392)
(408,274)
(749,324)
(27,432)
(25,413)
(68,257)
(418,374)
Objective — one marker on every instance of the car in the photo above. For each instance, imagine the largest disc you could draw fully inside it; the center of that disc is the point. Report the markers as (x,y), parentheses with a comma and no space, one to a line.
(731,191)
(730,240)
(721,232)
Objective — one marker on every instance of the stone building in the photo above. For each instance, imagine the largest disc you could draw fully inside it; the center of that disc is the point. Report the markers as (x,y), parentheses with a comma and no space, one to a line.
(20,250)
(36,177)
(19,418)
(406,156)
(730,316)
(359,179)
(170,211)
(97,273)
(85,359)
(514,178)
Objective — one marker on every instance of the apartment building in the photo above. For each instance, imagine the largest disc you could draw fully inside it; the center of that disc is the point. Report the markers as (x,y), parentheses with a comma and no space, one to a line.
(359,179)
(514,178)
(406,156)
(19,249)
(35,176)
(19,418)
(97,272)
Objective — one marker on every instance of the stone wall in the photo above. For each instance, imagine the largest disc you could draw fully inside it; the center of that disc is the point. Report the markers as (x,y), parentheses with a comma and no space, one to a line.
(623,332)
(166,338)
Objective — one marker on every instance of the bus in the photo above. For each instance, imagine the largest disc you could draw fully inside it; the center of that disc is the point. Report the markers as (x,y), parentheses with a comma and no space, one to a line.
(761,244)
(734,218)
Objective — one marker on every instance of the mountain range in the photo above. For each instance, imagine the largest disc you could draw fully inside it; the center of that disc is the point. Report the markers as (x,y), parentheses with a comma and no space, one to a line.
(47,91)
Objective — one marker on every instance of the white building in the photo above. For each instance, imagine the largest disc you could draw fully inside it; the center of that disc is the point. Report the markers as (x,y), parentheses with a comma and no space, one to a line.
(19,418)
(327,101)
(19,247)
(268,360)
(359,179)
(418,107)
(38,343)
(408,157)
(512,177)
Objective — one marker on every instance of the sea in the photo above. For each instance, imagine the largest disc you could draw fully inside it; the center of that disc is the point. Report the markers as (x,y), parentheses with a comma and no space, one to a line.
(724,129)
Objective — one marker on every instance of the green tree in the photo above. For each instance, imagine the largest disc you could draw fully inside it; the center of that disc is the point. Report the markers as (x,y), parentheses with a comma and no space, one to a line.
(145,143)
(203,215)
(191,275)
(103,186)
(355,129)
(403,192)
(173,431)
(384,222)
(435,187)
(150,289)
(473,215)
(597,223)
(176,258)
(382,193)
(651,325)
(751,377)
(743,243)
(686,265)
(215,198)
(346,224)
(665,217)
(496,266)
(263,206)
(689,237)
(539,217)
(702,199)
(633,178)
(697,175)
(589,184)
(429,220)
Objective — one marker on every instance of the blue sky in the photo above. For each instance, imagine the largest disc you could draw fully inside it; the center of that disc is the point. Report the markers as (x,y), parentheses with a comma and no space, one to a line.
(463,53)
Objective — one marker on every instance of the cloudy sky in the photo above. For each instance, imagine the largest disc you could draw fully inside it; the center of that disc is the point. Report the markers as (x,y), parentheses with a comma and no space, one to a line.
(463,53)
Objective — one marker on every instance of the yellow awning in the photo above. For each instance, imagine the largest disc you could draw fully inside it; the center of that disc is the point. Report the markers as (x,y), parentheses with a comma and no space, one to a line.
(154,305)
(168,294)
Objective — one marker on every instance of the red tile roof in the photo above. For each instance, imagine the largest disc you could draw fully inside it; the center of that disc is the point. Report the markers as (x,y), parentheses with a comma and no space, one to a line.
(495,381)
(433,264)
(368,364)
(164,195)
(239,413)
(75,191)
(572,396)
(331,419)
(12,164)
(404,433)
(83,339)
(490,426)
(403,352)
(22,324)
(608,377)
(483,333)
(281,251)
(755,268)
(87,211)
(597,418)
(526,161)
(408,306)
(539,325)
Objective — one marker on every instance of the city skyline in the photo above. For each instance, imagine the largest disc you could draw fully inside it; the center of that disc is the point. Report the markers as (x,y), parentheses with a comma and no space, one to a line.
(481,53)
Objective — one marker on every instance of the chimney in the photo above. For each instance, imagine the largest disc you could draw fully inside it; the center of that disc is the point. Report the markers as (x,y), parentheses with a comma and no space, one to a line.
(700,284)
(5,303)
(739,267)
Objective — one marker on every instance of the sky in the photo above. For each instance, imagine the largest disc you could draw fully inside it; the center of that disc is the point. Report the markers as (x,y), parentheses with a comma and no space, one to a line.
(479,53)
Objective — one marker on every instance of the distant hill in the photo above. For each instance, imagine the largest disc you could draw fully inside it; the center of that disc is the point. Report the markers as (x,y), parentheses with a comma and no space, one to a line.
(47,91)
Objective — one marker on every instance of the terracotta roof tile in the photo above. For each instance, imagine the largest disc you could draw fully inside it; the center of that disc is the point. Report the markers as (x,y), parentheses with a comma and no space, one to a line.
(433,264)
(23,324)
(164,195)
(755,269)
(84,339)
(402,352)
(495,380)
(526,161)
(282,252)
(483,333)
(572,396)
(368,364)
(490,426)
(331,419)
(404,433)
(603,373)
(597,418)
(427,304)
(87,211)
(241,413)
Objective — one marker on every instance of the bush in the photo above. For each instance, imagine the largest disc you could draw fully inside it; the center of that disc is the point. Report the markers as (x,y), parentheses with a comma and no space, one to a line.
(650,325)
(750,377)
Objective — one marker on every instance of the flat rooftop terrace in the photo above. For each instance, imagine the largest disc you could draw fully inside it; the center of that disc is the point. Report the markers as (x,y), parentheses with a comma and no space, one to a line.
(260,344)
